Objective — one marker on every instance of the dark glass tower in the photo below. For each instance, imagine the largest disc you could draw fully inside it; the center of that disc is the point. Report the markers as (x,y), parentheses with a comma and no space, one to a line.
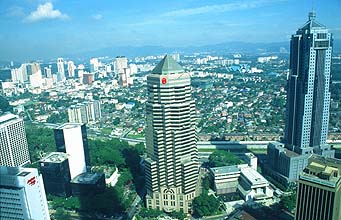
(308,98)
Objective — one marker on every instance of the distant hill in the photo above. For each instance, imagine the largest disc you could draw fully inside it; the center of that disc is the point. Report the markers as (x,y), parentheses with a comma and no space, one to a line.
(221,48)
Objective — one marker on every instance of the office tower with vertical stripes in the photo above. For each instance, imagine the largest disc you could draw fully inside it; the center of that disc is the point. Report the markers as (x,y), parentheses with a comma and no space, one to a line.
(172,155)
(319,190)
(308,101)
(308,97)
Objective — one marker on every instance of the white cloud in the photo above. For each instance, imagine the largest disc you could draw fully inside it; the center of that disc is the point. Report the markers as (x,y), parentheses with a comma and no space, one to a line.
(44,12)
(218,8)
(97,16)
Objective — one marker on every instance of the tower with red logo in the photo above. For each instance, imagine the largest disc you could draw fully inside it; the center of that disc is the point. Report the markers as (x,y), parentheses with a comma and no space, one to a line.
(172,155)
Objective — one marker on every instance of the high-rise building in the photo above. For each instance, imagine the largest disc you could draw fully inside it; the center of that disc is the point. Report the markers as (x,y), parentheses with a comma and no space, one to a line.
(60,69)
(94,65)
(308,97)
(13,143)
(48,72)
(308,101)
(172,155)
(22,194)
(120,63)
(71,138)
(71,68)
(319,190)
(85,112)
(56,174)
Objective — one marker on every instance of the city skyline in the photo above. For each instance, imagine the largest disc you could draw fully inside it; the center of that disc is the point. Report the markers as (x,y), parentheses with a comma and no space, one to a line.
(32,29)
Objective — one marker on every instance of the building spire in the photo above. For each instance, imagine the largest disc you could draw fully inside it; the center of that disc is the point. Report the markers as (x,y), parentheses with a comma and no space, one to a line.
(312,15)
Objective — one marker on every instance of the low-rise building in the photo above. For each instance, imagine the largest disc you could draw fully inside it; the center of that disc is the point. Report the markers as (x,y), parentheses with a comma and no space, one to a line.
(253,186)
(86,184)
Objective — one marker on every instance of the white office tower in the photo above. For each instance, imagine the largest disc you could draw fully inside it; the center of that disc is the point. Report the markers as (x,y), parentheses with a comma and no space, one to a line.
(71,69)
(120,63)
(94,65)
(13,143)
(18,75)
(71,138)
(22,194)
(61,70)
(172,155)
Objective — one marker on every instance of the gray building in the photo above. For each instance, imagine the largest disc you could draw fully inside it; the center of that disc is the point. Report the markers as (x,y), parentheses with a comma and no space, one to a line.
(172,155)
(308,101)
(87,184)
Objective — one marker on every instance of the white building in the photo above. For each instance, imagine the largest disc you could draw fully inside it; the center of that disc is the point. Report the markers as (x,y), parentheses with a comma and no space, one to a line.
(225,179)
(253,186)
(13,143)
(85,112)
(22,194)
(120,63)
(71,138)
(94,65)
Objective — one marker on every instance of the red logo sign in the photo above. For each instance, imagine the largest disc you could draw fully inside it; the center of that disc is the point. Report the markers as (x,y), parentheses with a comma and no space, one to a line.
(163,80)
(31,181)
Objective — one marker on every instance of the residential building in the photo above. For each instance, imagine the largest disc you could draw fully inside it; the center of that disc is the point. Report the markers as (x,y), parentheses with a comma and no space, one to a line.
(56,174)
(319,190)
(308,101)
(13,143)
(22,194)
(172,155)
(71,138)
(85,112)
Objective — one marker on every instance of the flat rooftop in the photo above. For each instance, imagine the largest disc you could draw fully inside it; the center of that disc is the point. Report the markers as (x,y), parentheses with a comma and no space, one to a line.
(15,171)
(55,157)
(87,178)
(7,117)
(69,125)
(225,169)
(253,176)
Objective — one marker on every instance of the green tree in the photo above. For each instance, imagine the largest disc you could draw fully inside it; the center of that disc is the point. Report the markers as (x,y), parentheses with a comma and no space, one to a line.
(61,214)
(289,202)
(223,158)
(205,205)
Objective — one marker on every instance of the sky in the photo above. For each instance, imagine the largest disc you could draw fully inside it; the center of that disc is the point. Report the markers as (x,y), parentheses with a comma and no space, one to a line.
(50,28)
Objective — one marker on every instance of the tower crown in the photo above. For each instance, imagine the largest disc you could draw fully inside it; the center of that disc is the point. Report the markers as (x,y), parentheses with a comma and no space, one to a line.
(167,65)
(312,15)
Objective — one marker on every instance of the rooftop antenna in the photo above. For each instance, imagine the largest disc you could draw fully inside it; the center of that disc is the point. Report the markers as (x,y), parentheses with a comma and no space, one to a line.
(312,13)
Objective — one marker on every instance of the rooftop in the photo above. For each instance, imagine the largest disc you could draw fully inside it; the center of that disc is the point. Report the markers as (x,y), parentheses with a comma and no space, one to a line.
(69,125)
(225,169)
(253,176)
(55,157)
(167,65)
(323,171)
(87,178)
(7,117)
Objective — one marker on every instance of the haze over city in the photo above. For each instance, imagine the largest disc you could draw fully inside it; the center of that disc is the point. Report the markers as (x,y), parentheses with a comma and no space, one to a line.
(36,29)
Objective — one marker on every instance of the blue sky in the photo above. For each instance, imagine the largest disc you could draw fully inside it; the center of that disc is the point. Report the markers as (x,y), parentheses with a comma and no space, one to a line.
(39,28)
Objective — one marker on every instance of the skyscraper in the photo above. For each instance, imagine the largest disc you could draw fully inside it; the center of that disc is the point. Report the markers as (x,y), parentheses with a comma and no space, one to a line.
(71,138)
(319,190)
(13,143)
(61,70)
(172,155)
(308,97)
(308,101)
(22,194)
(71,69)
